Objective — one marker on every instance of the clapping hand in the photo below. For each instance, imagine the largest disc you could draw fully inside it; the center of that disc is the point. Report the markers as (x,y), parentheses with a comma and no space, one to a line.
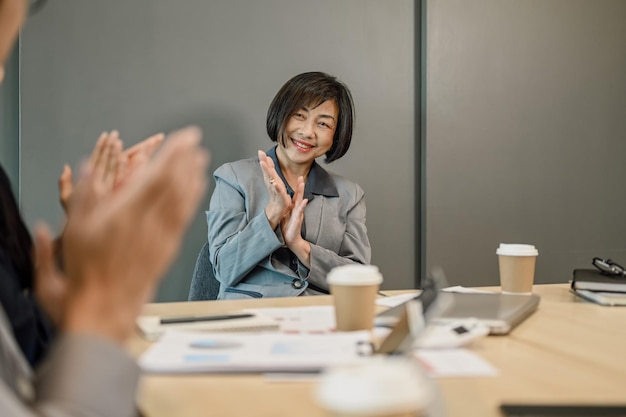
(291,225)
(117,246)
(109,165)
(280,202)
(286,211)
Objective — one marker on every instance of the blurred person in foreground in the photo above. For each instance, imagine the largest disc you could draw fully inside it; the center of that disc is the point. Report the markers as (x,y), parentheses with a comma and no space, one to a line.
(87,372)
(32,311)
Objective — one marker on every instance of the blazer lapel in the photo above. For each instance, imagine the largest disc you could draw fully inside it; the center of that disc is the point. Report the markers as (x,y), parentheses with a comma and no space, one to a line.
(313,218)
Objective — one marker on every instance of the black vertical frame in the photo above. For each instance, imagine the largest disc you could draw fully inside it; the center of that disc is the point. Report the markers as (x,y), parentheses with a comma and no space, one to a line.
(420,140)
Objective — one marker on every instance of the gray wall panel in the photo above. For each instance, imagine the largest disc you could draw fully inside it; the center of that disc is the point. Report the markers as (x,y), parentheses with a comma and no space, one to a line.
(525,122)
(154,65)
(10,120)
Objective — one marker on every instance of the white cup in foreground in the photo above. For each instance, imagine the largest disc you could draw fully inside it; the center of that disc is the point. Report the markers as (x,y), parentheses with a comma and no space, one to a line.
(354,288)
(517,267)
(378,387)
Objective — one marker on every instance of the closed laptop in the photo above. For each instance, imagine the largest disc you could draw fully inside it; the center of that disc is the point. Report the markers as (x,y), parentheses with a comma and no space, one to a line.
(500,312)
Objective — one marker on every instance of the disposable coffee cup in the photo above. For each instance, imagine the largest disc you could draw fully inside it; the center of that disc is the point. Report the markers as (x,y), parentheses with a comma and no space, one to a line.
(354,289)
(376,387)
(517,267)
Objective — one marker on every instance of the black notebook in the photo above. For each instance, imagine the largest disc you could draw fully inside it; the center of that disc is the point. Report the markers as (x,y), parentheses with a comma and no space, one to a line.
(592,279)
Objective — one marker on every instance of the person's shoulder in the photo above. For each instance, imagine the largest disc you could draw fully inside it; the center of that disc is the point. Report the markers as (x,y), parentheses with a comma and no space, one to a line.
(239,167)
(346,187)
(341,181)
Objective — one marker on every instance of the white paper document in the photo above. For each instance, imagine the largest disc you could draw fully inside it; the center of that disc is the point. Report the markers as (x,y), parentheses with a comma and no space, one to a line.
(459,288)
(450,363)
(151,327)
(395,300)
(301,320)
(186,352)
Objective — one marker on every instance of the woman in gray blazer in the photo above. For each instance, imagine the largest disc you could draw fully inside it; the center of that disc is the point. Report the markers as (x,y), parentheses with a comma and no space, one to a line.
(278,223)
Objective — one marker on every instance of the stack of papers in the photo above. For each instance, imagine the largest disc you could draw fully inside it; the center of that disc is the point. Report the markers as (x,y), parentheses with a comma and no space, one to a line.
(186,352)
(299,340)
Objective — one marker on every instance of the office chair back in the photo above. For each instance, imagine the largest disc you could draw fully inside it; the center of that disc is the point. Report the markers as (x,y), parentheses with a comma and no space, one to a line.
(204,285)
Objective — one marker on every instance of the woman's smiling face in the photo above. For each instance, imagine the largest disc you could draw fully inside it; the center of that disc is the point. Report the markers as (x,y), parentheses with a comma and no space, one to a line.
(309,133)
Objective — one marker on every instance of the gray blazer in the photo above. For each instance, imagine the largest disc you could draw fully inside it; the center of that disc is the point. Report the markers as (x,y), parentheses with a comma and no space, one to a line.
(250,259)
(83,376)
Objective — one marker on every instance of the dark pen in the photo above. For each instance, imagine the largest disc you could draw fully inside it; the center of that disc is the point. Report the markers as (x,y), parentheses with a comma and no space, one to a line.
(191,319)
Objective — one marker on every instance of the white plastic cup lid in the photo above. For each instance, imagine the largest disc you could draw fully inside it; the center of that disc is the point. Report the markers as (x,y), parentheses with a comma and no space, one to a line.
(516,249)
(377,386)
(354,274)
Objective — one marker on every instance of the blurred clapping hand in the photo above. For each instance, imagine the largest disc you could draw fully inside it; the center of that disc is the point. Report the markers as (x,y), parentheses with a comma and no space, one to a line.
(109,164)
(117,245)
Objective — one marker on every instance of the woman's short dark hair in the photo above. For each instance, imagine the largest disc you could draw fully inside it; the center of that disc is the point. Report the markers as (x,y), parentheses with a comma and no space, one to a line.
(309,90)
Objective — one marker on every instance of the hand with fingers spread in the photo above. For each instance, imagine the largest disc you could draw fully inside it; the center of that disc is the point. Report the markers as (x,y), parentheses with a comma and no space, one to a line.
(111,166)
(135,157)
(103,164)
(280,203)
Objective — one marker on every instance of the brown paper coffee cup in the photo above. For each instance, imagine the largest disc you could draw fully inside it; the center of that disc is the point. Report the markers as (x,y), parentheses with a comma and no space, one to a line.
(517,267)
(354,289)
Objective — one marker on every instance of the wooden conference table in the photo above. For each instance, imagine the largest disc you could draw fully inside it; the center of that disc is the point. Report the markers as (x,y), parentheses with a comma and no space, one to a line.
(569,351)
